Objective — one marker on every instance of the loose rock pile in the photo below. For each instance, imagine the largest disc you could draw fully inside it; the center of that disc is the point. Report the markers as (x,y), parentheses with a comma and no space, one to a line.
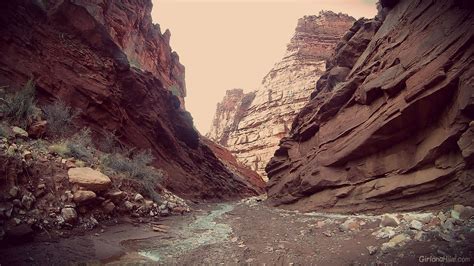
(44,192)
(450,226)
(398,229)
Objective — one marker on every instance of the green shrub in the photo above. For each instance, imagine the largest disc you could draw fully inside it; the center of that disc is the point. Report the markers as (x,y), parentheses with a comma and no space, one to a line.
(59,148)
(59,117)
(78,145)
(109,142)
(136,167)
(20,107)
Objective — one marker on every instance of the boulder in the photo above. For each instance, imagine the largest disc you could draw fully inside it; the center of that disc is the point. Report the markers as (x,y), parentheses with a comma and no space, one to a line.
(69,215)
(128,205)
(384,232)
(27,200)
(398,240)
(148,204)
(37,129)
(115,195)
(389,220)
(349,225)
(448,225)
(415,224)
(442,217)
(14,191)
(462,212)
(108,206)
(82,196)
(27,155)
(139,198)
(89,178)
(372,250)
(20,132)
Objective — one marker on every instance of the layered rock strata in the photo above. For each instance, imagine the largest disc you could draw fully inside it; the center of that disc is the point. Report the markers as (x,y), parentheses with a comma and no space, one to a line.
(83,53)
(251,124)
(390,123)
(130,26)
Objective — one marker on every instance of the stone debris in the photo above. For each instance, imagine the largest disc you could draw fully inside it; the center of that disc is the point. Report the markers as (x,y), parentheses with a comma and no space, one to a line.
(349,225)
(138,198)
(327,233)
(372,250)
(389,220)
(415,224)
(72,195)
(69,215)
(254,200)
(397,240)
(385,232)
(27,200)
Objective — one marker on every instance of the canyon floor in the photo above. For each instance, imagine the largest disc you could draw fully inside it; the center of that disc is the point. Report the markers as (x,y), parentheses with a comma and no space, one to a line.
(249,232)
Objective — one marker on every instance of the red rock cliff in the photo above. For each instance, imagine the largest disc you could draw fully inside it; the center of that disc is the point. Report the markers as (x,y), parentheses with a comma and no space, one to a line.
(390,124)
(83,52)
(130,26)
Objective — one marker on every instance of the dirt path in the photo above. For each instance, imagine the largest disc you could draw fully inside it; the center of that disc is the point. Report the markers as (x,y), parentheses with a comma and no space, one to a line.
(248,233)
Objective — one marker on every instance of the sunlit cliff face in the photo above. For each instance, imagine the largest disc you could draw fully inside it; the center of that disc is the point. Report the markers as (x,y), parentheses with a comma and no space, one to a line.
(233,44)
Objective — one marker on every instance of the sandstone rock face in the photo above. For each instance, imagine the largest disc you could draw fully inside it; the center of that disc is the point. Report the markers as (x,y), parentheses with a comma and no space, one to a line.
(251,125)
(130,26)
(391,133)
(84,53)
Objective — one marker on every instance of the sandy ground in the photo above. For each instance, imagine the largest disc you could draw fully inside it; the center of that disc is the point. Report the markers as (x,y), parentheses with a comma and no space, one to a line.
(235,233)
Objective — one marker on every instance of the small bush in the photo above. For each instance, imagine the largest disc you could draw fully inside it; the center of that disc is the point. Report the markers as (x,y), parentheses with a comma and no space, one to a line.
(109,142)
(78,145)
(137,167)
(59,117)
(59,148)
(20,107)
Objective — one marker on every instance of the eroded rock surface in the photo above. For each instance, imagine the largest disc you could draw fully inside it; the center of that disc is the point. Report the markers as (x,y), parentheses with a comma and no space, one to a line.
(251,124)
(392,133)
(106,59)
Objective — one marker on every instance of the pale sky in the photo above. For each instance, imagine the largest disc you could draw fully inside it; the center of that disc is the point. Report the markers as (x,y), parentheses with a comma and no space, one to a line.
(227,44)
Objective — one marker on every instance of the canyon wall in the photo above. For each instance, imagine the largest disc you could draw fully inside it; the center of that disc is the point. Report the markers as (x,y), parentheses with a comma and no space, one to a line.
(390,125)
(109,61)
(130,26)
(251,124)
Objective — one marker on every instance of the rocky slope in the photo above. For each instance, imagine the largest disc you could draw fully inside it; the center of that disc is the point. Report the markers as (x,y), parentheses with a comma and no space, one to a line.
(109,61)
(250,125)
(390,124)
